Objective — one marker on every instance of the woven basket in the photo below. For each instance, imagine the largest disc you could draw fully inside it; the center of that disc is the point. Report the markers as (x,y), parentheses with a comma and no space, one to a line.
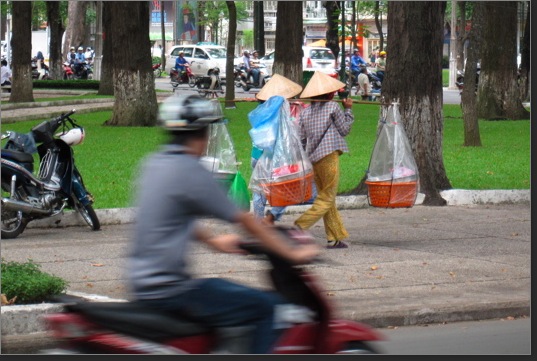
(392,194)
(289,192)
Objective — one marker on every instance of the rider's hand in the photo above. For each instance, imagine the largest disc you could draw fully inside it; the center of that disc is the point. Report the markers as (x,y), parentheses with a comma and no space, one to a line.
(305,253)
(347,103)
(228,243)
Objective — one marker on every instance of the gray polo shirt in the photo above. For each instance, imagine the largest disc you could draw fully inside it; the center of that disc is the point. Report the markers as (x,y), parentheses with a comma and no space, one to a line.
(174,191)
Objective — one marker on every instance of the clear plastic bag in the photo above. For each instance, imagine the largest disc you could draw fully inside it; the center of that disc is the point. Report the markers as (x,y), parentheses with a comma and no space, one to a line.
(220,157)
(284,175)
(392,177)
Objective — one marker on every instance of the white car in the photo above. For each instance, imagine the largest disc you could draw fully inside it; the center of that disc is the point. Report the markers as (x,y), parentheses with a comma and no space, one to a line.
(201,58)
(315,58)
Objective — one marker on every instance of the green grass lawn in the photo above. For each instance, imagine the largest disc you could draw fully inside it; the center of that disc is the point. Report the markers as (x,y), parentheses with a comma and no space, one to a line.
(109,157)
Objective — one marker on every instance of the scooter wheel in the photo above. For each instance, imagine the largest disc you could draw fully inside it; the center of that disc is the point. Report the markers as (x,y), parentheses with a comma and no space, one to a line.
(357,348)
(89,215)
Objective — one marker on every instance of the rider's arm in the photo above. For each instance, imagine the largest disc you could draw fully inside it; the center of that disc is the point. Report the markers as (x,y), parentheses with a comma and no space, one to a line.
(272,240)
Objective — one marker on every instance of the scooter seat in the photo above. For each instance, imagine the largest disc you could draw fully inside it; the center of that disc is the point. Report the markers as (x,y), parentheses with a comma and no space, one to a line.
(137,320)
(17,156)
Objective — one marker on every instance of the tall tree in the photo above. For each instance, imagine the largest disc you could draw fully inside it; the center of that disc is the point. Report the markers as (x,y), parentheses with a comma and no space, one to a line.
(230,55)
(259,28)
(333,12)
(462,35)
(415,40)
(377,13)
(21,45)
(288,49)
(106,83)
(468,97)
(75,31)
(525,57)
(498,94)
(56,26)
(134,84)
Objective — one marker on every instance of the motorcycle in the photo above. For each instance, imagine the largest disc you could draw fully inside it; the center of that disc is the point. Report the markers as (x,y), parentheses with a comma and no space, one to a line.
(210,84)
(246,81)
(130,328)
(58,183)
(85,71)
(459,82)
(157,70)
(68,73)
(39,74)
(184,77)
(374,81)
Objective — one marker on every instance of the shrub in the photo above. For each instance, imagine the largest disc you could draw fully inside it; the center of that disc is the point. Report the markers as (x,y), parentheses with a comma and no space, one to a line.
(28,283)
(67,84)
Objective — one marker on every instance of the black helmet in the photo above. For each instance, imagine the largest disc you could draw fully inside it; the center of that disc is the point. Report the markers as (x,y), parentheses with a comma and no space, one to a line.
(188,112)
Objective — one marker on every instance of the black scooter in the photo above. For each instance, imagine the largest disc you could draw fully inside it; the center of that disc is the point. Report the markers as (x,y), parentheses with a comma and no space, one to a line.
(58,184)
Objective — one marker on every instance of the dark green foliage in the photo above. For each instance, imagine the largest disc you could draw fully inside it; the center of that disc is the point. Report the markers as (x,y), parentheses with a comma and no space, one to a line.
(67,84)
(28,283)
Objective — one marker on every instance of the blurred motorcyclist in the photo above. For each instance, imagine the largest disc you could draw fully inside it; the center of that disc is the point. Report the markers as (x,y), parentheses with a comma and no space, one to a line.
(170,206)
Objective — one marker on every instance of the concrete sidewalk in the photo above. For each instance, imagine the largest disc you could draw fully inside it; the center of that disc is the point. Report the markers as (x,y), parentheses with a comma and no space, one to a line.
(404,266)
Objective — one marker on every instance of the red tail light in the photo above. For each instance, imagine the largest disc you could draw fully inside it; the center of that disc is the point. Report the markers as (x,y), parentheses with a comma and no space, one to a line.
(309,64)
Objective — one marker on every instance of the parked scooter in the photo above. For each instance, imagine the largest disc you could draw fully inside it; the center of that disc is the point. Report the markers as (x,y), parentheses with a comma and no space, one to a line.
(211,84)
(459,82)
(58,184)
(131,328)
(246,81)
(184,77)
(39,74)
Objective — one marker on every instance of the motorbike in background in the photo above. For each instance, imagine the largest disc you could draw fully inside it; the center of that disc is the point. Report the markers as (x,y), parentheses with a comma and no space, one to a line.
(132,328)
(68,73)
(37,73)
(211,84)
(184,77)
(459,82)
(246,81)
(374,81)
(58,183)
(157,70)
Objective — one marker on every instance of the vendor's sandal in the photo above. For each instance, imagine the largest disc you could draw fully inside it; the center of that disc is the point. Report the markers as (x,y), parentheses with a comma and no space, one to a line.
(269,219)
(336,245)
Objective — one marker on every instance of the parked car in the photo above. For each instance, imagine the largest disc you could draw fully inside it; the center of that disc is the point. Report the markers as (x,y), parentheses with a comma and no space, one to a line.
(202,58)
(315,58)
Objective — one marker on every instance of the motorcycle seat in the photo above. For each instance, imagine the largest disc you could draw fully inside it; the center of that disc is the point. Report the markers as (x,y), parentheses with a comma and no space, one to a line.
(137,320)
(17,156)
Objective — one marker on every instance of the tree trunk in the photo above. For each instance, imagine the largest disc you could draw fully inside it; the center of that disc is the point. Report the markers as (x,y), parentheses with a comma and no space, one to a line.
(288,49)
(498,96)
(379,26)
(76,25)
(106,83)
(468,97)
(134,84)
(525,57)
(56,32)
(415,41)
(461,36)
(21,50)
(259,28)
(333,11)
(230,55)
(163,32)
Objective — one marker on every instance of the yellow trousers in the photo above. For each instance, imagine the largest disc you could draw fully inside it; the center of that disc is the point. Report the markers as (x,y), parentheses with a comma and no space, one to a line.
(326,176)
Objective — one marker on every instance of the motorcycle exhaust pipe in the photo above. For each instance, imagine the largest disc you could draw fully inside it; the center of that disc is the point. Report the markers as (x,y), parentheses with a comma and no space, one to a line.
(14,205)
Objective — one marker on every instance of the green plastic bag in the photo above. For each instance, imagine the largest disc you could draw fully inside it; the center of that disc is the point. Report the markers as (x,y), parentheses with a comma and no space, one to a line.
(238,192)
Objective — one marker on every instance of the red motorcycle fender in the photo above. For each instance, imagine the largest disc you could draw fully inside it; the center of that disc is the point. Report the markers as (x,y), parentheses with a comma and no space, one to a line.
(342,331)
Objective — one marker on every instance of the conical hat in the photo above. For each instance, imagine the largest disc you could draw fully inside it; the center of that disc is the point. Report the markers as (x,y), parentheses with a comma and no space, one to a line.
(321,83)
(279,85)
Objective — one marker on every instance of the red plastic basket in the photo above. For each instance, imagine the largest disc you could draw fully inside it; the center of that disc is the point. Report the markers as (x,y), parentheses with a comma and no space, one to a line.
(392,194)
(289,192)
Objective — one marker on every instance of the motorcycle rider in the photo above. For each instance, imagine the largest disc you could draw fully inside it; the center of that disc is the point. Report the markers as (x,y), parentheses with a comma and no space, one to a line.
(364,84)
(71,56)
(254,62)
(180,65)
(249,69)
(89,55)
(381,65)
(80,60)
(356,62)
(170,206)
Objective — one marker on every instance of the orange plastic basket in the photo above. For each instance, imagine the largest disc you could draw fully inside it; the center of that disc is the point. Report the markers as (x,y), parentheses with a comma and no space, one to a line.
(392,194)
(289,192)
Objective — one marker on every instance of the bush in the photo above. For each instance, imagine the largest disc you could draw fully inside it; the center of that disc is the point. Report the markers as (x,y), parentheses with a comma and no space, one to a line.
(28,283)
(445,62)
(67,84)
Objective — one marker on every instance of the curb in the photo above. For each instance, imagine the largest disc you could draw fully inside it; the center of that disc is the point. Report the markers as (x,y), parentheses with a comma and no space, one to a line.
(454,197)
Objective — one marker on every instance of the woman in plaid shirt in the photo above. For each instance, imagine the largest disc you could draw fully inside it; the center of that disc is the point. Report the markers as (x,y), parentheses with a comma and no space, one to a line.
(323,126)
